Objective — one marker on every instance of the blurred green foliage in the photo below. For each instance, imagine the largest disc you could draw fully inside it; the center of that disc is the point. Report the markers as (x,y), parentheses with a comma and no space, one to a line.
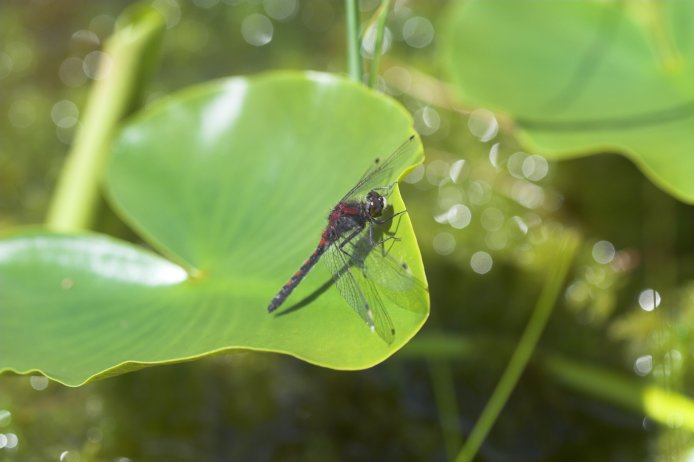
(264,407)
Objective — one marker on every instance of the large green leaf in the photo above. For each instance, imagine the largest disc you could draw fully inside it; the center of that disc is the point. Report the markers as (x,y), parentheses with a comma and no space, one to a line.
(232,181)
(585,77)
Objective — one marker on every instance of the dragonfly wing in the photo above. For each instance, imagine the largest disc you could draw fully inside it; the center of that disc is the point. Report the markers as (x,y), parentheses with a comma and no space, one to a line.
(380,173)
(359,292)
(389,272)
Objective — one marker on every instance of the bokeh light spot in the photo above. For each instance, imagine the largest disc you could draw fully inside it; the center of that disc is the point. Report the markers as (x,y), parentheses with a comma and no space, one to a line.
(5,417)
(416,175)
(418,32)
(205,4)
(368,44)
(494,155)
(257,30)
(426,121)
(86,37)
(649,300)
(171,11)
(71,72)
(444,243)
(102,25)
(515,164)
(643,365)
(12,440)
(97,65)
(6,64)
(456,169)
(398,79)
(437,171)
(69,456)
(281,10)
(481,262)
(528,194)
(22,113)
(459,216)
(38,382)
(522,225)
(479,192)
(64,114)
(534,167)
(496,240)
(492,219)
(482,124)
(603,252)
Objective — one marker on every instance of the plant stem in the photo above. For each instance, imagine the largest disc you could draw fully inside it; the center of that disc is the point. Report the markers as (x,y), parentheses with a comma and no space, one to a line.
(656,402)
(378,42)
(525,349)
(123,66)
(661,405)
(354,64)
(444,394)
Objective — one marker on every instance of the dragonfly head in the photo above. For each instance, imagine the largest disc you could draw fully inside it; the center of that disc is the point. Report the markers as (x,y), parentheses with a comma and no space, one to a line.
(375,204)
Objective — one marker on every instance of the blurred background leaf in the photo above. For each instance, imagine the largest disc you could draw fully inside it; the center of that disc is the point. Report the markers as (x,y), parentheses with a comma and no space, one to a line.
(585,77)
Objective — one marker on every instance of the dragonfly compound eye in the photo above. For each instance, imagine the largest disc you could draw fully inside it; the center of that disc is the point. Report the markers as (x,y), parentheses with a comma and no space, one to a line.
(375,203)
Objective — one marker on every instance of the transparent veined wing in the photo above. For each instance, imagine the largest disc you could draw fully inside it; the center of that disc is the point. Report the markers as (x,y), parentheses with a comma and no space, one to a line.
(386,270)
(359,291)
(381,173)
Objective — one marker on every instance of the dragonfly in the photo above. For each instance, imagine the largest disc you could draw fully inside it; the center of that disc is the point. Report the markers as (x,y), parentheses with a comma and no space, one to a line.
(353,247)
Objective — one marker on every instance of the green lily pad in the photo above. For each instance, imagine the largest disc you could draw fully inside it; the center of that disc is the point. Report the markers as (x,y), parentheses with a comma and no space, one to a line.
(585,77)
(232,182)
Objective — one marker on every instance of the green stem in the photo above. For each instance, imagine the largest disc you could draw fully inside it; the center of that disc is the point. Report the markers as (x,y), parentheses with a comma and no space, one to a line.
(444,394)
(378,42)
(525,349)
(656,402)
(663,406)
(126,62)
(354,64)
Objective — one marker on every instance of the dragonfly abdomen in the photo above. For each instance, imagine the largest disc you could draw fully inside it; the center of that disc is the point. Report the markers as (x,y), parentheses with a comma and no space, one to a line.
(294,281)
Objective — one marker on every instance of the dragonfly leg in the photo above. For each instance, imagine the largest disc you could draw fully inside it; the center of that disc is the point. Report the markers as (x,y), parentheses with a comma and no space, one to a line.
(382,242)
(390,218)
(346,241)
